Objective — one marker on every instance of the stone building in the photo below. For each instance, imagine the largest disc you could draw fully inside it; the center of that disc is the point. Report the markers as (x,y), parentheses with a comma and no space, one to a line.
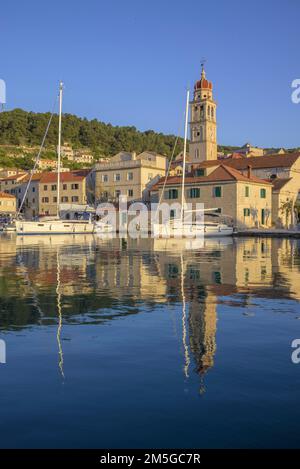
(41,197)
(128,174)
(203,123)
(244,199)
(7,204)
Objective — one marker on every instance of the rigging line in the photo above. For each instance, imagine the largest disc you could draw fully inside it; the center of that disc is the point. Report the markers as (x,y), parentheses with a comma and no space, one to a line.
(38,156)
(170,162)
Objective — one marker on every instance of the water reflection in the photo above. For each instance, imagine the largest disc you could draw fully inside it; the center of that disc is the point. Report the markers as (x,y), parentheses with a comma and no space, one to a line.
(85,280)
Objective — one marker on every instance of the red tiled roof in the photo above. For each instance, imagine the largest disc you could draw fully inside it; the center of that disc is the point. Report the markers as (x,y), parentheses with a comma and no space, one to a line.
(14,177)
(64,177)
(256,162)
(4,195)
(203,83)
(221,174)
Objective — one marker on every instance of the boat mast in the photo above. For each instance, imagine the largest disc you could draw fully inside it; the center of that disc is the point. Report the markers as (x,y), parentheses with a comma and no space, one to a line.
(59,145)
(184,152)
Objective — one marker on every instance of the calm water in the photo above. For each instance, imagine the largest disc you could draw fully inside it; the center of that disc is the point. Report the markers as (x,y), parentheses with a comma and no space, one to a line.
(115,344)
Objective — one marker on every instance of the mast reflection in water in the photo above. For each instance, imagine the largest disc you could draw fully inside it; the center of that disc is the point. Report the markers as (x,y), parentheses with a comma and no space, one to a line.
(132,343)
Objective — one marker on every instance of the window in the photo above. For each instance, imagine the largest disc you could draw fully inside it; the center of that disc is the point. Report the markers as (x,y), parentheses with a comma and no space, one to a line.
(129,176)
(45,200)
(74,186)
(171,194)
(247,191)
(104,178)
(117,177)
(172,214)
(200,172)
(54,200)
(246,212)
(65,186)
(75,198)
(194,193)
(45,188)
(130,192)
(53,187)
(217,191)
(33,200)
(262,193)
(65,199)
(33,189)
(117,194)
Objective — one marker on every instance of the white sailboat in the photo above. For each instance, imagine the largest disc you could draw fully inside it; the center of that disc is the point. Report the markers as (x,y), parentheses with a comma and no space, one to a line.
(55,225)
(181,227)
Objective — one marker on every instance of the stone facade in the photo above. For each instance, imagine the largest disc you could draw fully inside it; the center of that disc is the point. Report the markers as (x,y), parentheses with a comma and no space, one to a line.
(128,174)
(203,124)
(7,204)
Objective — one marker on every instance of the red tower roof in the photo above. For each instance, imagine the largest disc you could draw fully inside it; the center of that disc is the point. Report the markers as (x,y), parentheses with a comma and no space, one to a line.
(203,83)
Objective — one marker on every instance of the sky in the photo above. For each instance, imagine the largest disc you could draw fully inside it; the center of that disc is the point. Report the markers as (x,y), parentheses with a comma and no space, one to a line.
(130,62)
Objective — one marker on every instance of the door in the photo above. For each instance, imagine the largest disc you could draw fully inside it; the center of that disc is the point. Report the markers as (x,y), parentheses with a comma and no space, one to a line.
(263,216)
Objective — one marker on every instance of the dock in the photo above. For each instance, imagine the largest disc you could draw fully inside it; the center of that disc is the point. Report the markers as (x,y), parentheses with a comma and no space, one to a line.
(269,233)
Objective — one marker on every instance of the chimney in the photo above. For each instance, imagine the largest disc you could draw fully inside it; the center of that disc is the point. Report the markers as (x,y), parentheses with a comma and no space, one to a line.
(133,155)
(249,171)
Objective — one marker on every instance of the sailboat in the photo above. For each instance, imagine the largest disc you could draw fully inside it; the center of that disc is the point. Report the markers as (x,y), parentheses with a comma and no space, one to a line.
(187,228)
(54,225)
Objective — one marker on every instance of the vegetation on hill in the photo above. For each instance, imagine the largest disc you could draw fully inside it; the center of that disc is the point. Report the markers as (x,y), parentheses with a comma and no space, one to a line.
(19,127)
(21,134)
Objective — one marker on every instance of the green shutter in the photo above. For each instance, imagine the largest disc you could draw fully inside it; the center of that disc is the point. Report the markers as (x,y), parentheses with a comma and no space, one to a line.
(247,191)
(218,191)
(200,172)
(263,193)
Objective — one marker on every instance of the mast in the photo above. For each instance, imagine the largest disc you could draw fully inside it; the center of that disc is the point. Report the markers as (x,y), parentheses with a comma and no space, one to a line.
(59,145)
(184,152)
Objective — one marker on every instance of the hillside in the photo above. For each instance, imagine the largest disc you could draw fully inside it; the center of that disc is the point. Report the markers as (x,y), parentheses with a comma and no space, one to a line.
(21,133)
(19,127)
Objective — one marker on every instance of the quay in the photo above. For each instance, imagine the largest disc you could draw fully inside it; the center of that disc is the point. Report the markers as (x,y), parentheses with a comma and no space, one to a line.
(268,233)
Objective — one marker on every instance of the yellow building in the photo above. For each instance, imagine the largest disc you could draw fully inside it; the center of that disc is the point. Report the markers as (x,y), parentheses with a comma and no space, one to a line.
(7,203)
(281,170)
(128,174)
(246,200)
(41,196)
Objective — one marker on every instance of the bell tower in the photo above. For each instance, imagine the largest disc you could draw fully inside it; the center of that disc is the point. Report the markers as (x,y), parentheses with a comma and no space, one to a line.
(203,124)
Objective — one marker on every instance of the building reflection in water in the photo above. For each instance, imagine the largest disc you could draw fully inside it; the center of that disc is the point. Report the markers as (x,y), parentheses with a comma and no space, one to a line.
(98,280)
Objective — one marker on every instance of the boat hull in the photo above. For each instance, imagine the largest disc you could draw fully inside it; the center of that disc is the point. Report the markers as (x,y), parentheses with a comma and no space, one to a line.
(191,230)
(53,227)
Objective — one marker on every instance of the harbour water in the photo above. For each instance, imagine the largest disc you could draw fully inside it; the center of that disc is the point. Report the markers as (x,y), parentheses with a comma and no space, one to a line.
(115,343)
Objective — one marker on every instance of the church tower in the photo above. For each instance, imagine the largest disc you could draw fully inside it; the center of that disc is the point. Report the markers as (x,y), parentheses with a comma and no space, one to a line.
(203,124)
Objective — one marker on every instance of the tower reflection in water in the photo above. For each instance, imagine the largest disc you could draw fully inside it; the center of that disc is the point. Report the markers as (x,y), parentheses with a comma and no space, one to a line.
(86,280)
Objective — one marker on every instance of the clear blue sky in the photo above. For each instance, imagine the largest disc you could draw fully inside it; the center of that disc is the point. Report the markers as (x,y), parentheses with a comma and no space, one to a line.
(129,62)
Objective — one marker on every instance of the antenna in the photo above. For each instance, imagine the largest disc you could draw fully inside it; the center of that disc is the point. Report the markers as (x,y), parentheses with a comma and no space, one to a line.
(203,62)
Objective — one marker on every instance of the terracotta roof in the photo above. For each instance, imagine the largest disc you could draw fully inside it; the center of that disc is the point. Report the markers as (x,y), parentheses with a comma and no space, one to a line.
(256,162)
(64,177)
(221,174)
(279,183)
(14,177)
(203,83)
(4,195)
